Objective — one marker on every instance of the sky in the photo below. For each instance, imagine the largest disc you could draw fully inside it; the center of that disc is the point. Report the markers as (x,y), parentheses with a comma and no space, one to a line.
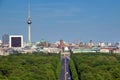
(69,20)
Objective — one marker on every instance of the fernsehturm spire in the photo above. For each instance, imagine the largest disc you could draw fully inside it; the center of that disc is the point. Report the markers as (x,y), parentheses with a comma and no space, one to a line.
(29,23)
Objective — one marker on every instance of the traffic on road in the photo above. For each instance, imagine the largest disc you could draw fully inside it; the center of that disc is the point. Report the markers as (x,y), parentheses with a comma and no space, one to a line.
(65,70)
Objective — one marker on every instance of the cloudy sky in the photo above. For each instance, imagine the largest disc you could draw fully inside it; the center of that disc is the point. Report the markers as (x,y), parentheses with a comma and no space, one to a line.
(70,20)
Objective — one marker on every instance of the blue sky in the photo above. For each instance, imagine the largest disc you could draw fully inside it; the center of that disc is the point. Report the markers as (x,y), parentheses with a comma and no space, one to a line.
(70,20)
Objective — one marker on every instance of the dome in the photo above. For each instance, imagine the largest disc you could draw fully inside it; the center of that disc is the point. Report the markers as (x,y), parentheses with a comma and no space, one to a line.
(42,41)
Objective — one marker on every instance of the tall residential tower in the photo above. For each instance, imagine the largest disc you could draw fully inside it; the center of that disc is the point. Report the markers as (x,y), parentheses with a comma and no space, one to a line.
(29,23)
(5,39)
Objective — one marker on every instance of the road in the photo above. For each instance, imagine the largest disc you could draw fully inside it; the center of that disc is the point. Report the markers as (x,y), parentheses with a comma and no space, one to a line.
(65,70)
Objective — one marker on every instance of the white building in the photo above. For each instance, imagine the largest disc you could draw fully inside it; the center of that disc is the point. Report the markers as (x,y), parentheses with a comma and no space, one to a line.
(109,44)
(91,44)
(4,52)
(0,42)
(51,50)
(101,44)
(16,41)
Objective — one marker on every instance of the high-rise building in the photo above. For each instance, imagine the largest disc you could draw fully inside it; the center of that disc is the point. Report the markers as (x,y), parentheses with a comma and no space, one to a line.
(29,23)
(16,41)
(5,39)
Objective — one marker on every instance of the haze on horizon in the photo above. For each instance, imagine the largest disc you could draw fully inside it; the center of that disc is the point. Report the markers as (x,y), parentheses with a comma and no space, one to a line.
(84,20)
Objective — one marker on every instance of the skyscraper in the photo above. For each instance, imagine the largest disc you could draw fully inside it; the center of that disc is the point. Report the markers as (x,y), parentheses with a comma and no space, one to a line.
(5,39)
(29,23)
(16,41)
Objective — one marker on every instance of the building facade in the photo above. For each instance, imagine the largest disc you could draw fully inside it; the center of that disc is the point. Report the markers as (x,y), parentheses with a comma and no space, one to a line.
(5,39)
(16,41)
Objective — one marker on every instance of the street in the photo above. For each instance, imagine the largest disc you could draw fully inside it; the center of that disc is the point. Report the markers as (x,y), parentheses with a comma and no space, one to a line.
(65,70)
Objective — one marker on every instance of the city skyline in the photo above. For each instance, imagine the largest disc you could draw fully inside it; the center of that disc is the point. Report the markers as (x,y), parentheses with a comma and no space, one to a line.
(66,19)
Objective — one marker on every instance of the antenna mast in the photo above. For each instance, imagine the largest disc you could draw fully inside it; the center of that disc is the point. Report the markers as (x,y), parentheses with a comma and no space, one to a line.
(28,8)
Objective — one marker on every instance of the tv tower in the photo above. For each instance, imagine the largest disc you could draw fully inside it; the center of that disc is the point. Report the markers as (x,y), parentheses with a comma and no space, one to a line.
(29,23)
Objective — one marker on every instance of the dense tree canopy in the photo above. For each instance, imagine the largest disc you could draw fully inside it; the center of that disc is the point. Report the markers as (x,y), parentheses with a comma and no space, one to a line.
(35,66)
(97,66)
